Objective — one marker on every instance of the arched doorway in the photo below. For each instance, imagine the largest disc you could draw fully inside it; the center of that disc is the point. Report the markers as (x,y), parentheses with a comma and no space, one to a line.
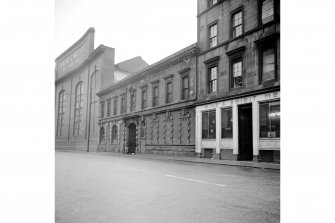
(131,138)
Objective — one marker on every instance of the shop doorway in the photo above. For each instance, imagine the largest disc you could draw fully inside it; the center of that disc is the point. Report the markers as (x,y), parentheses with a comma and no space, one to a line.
(131,138)
(245,132)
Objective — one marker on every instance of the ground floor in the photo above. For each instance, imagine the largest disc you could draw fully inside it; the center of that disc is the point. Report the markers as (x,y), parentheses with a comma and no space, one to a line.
(246,128)
(168,132)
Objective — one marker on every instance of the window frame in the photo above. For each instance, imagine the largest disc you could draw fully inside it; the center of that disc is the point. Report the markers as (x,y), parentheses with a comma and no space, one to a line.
(144,100)
(215,23)
(168,80)
(155,84)
(78,110)
(235,55)
(132,99)
(276,12)
(210,63)
(210,3)
(115,103)
(262,103)
(109,104)
(60,112)
(209,80)
(232,14)
(183,96)
(208,129)
(123,106)
(232,125)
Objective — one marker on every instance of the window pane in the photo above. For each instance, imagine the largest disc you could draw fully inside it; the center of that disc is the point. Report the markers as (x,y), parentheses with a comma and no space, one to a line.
(268,67)
(211,125)
(205,125)
(269,120)
(227,123)
(267,11)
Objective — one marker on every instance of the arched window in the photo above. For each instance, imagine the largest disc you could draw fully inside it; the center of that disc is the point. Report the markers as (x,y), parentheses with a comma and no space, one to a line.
(102,135)
(78,108)
(114,134)
(60,116)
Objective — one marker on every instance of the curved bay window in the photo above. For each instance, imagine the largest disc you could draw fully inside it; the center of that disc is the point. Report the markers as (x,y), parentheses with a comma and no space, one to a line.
(208,125)
(269,118)
(114,134)
(102,135)
(78,108)
(60,117)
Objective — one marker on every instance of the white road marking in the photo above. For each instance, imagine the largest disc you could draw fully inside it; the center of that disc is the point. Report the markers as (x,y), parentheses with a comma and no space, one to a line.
(199,181)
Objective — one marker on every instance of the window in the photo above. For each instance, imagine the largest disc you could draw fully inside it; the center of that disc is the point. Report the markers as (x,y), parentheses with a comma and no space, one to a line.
(237,24)
(123,105)
(102,135)
(78,108)
(268,67)
(226,123)
(269,118)
(213,31)
(212,76)
(208,125)
(132,100)
(102,112)
(211,2)
(236,69)
(144,98)
(169,92)
(60,118)
(155,96)
(115,107)
(185,87)
(109,107)
(114,134)
(267,11)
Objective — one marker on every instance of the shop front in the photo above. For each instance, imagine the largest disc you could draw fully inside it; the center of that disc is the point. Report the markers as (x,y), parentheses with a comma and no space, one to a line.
(246,129)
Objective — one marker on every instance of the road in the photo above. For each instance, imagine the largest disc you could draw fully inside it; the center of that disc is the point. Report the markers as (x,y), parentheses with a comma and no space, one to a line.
(98,188)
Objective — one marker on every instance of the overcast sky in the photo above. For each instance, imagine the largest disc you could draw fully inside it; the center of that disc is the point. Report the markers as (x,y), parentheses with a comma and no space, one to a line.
(152,29)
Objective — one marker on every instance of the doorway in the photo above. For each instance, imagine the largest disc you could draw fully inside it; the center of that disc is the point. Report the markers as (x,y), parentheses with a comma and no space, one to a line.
(245,151)
(131,138)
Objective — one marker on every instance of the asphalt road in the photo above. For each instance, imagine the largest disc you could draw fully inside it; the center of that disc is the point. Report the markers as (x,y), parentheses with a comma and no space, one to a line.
(94,188)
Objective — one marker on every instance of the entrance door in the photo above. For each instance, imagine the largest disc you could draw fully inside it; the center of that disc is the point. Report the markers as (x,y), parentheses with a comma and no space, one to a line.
(131,138)
(245,132)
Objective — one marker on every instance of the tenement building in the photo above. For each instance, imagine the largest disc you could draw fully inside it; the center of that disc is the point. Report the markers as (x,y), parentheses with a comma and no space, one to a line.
(152,110)
(238,97)
(81,71)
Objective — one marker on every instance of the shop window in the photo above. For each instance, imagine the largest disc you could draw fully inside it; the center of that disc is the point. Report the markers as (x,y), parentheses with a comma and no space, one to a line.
(267,11)
(115,107)
(78,108)
(268,64)
(114,134)
(226,123)
(108,107)
(269,118)
(237,24)
(212,79)
(208,125)
(236,69)
(213,32)
(60,118)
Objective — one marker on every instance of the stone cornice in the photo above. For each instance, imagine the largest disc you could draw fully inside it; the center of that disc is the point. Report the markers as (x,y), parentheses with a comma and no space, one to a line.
(172,60)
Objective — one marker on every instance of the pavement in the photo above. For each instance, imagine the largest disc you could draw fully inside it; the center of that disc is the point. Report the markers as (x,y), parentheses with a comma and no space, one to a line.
(252,164)
(106,188)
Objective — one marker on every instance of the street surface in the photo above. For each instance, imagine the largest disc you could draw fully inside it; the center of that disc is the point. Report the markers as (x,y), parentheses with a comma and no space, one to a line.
(94,188)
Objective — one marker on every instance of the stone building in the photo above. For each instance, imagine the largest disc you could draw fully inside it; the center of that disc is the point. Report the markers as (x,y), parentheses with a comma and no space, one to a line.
(152,110)
(238,97)
(81,71)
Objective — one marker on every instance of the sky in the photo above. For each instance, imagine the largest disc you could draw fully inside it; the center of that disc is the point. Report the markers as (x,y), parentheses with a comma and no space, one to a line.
(147,28)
